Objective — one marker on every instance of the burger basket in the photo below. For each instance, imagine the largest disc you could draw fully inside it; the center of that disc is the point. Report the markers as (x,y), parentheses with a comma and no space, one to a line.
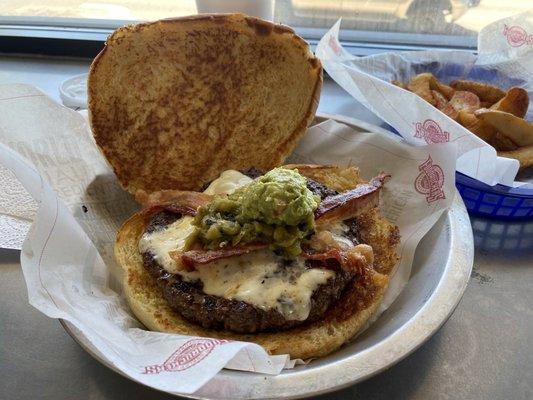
(498,201)
(502,61)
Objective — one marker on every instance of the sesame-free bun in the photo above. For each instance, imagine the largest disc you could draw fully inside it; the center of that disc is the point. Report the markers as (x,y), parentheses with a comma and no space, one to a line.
(173,103)
(342,321)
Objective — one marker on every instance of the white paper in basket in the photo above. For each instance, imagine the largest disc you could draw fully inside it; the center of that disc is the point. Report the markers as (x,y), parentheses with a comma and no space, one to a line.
(70,272)
(67,278)
(17,210)
(506,59)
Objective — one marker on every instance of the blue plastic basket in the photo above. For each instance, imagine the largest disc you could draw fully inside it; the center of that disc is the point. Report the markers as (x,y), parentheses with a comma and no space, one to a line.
(497,201)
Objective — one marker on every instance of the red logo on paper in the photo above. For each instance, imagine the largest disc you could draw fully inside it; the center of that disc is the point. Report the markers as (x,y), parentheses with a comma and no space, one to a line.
(517,36)
(430,181)
(335,46)
(431,132)
(187,356)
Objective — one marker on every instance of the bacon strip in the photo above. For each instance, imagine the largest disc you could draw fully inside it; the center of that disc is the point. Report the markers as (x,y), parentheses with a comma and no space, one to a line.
(176,209)
(350,203)
(178,198)
(330,254)
(358,259)
(192,258)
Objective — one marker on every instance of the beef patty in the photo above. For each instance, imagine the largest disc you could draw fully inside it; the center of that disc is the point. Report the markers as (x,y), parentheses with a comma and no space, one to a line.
(215,312)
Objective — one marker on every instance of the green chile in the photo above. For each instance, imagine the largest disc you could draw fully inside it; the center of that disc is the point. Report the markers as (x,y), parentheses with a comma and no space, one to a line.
(277,208)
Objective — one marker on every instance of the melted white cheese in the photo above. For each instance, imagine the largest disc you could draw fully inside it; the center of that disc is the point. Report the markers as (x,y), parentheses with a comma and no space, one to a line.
(162,242)
(258,278)
(338,229)
(228,182)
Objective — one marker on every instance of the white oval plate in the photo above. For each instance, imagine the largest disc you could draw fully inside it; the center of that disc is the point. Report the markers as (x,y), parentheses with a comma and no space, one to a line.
(441,270)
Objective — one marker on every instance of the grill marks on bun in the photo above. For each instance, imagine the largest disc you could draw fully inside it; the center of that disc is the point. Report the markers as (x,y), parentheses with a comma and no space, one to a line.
(174,102)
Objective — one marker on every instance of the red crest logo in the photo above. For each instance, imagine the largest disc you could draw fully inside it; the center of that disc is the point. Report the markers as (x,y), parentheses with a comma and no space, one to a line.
(517,36)
(430,181)
(431,132)
(186,356)
(334,45)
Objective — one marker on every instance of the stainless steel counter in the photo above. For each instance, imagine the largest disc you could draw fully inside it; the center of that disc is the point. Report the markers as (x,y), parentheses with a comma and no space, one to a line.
(485,350)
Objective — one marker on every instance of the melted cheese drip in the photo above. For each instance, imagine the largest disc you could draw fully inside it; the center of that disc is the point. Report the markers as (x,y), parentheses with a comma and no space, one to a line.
(258,278)
(162,242)
(338,229)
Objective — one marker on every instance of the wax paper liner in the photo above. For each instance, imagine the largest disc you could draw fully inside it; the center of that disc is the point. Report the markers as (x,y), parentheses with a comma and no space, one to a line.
(67,259)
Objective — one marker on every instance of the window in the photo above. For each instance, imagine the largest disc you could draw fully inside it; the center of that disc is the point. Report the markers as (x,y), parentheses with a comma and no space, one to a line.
(370,24)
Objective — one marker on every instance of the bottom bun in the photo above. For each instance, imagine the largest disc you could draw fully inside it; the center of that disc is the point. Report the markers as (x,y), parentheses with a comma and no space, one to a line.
(342,322)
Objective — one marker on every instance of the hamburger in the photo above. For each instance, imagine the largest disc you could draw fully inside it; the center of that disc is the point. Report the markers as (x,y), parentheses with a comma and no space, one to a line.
(296,260)
(228,243)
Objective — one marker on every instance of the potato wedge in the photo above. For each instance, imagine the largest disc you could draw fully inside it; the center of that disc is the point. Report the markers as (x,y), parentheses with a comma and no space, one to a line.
(479,128)
(502,143)
(465,101)
(516,102)
(524,155)
(466,118)
(444,105)
(516,129)
(445,90)
(484,131)
(450,111)
(399,84)
(440,100)
(419,84)
(485,92)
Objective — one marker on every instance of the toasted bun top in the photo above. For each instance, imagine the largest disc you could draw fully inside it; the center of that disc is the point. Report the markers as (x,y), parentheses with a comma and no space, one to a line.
(172,103)
(343,321)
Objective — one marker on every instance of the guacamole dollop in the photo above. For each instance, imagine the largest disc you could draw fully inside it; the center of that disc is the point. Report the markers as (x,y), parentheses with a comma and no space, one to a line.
(276,208)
